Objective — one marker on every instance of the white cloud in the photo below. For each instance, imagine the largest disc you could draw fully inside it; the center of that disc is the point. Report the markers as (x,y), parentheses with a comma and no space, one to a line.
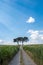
(41,36)
(35,36)
(1,40)
(33,31)
(31,20)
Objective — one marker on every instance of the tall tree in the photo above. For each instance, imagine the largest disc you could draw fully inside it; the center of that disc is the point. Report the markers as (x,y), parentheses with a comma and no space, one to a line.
(21,39)
(18,39)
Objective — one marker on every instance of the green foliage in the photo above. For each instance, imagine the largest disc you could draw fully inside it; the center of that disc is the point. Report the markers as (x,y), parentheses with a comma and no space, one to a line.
(7,53)
(37,53)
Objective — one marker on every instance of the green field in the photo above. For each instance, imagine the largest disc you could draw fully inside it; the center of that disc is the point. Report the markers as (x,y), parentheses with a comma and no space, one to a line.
(7,53)
(35,52)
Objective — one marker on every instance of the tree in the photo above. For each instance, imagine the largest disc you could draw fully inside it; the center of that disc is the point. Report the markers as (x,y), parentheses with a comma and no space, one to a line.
(21,39)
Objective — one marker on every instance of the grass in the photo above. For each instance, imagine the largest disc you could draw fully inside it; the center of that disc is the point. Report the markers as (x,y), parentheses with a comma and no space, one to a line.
(7,53)
(35,52)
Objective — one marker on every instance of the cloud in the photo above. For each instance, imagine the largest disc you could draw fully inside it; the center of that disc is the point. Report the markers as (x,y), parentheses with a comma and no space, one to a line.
(41,36)
(31,20)
(1,41)
(35,36)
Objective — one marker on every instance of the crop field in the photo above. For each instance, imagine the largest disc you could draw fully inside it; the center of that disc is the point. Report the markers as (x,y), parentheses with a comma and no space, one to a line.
(35,52)
(7,53)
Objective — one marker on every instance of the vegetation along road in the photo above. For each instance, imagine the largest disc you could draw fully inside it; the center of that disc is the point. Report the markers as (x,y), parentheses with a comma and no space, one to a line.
(25,60)
(18,55)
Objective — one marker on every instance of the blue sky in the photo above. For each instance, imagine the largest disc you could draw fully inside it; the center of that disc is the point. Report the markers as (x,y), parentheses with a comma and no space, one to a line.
(15,16)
